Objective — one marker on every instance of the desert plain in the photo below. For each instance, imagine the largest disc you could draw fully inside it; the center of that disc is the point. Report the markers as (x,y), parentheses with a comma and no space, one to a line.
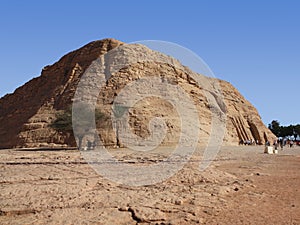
(242,185)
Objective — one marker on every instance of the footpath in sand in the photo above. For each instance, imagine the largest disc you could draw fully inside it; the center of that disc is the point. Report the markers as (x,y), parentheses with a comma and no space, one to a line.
(241,186)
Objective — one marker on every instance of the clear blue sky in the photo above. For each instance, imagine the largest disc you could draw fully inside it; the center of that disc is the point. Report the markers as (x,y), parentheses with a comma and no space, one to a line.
(255,45)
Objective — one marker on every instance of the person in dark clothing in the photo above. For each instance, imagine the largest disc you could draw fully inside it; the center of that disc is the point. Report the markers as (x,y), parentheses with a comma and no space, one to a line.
(281,143)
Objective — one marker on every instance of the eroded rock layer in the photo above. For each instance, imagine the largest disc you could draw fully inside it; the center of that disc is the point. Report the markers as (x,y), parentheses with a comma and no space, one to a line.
(26,115)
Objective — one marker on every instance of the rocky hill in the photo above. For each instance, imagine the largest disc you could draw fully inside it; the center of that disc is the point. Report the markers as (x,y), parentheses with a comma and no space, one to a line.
(26,115)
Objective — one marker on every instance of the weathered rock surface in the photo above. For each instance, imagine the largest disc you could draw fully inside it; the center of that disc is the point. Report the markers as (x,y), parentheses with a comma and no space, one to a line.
(26,114)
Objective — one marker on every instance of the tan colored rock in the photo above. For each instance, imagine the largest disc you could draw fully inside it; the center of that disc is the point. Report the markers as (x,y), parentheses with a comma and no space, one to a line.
(50,92)
(26,114)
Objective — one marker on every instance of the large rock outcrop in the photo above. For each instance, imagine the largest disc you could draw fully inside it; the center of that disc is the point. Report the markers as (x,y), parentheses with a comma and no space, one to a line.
(26,114)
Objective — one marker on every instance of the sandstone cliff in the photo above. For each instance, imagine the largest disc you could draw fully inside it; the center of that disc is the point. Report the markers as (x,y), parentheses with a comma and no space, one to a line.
(26,114)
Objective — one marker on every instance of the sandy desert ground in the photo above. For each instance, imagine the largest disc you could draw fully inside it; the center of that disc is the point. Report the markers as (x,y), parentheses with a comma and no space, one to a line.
(242,186)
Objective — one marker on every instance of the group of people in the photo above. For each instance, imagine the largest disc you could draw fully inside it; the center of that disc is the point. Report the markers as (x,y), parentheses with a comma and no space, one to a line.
(90,145)
(278,142)
(249,142)
(283,142)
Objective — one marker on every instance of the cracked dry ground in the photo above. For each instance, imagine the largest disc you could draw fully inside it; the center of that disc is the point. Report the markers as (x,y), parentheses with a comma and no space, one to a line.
(241,186)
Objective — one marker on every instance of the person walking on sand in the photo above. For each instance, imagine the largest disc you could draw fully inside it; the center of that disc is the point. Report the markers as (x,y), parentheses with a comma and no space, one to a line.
(281,143)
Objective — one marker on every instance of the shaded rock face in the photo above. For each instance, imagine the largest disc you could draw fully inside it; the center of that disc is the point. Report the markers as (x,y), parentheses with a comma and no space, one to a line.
(26,114)
(244,122)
